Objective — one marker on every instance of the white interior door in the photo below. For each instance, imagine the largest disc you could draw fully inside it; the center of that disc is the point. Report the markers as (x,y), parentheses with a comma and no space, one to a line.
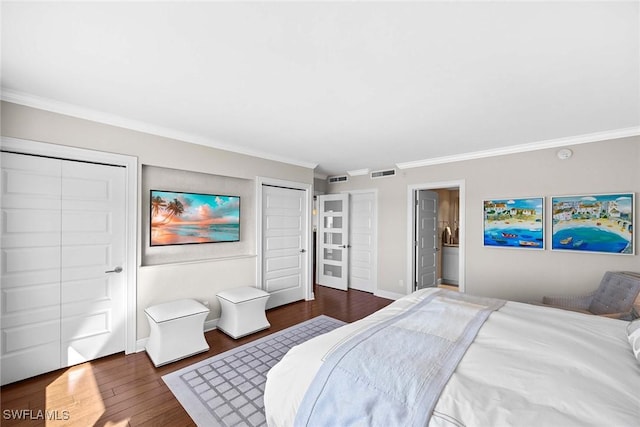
(333,236)
(362,228)
(285,248)
(62,228)
(93,253)
(30,281)
(426,239)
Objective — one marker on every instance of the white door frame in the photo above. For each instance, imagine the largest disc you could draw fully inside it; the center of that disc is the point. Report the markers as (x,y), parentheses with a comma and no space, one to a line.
(130,164)
(307,188)
(411,189)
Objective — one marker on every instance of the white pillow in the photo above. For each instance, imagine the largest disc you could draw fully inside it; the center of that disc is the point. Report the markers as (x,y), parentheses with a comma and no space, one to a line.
(633,332)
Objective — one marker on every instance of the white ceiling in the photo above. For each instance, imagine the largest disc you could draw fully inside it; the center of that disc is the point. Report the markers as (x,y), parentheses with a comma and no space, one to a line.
(341,85)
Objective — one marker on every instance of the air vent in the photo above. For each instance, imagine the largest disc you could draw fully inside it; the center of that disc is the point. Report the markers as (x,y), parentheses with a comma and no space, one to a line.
(341,178)
(383,173)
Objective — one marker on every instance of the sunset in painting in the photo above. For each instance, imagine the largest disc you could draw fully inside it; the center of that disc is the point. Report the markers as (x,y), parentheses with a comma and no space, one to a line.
(182,218)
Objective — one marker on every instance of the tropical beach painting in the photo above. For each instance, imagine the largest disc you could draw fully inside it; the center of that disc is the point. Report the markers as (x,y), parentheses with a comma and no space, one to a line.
(514,223)
(593,223)
(182,218)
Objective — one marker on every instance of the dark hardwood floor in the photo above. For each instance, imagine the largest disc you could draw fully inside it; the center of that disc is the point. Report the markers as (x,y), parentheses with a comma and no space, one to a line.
(127,390)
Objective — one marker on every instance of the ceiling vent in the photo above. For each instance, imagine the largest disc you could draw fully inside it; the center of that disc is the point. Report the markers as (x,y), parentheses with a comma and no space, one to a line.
(383,174)
(336,179)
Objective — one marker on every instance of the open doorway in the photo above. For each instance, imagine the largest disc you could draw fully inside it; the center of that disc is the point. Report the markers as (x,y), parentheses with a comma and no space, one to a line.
(444,248)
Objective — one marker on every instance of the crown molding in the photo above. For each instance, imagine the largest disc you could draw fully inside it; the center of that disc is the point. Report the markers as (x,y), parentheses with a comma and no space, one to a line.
(523,148)
(54,106)
(72,110)
(319,175)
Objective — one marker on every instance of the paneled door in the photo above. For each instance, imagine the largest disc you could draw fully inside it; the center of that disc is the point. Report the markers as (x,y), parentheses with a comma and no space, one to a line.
(426,235)
(30,280)
(62,235)
(362,254)
(284,244)
(93,252)
(333,245)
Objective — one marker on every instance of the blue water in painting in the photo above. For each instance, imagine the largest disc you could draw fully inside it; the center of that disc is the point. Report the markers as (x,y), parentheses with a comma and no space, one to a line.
(514,237)
(214,232)
(589,239)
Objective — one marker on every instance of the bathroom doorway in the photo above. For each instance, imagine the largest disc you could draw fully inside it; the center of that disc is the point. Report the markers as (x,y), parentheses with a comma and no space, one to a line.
(445,248)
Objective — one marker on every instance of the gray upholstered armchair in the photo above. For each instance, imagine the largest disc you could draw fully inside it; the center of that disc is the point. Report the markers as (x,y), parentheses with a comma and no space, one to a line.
(618,296)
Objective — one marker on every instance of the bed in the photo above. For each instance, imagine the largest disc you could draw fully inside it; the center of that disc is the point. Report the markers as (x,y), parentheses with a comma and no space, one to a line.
(525,365)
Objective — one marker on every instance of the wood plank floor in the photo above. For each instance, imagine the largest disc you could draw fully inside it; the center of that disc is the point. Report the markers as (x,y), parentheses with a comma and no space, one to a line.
(127,390)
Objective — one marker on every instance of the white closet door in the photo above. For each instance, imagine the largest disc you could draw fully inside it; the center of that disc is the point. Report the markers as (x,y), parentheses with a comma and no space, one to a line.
(63,227)
(30,279)
(93,247)
(362,237)
(284,243)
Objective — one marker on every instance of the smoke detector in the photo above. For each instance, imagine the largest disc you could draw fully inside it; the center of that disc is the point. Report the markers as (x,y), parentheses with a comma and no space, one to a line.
(564,154)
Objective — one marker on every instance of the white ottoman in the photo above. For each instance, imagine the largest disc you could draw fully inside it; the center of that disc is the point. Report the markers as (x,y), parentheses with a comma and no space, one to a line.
(242,311)
(177,330)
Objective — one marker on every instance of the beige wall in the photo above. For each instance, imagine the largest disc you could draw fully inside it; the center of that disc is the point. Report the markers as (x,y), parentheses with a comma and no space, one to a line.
(602,167)
(319,186)
(202,278)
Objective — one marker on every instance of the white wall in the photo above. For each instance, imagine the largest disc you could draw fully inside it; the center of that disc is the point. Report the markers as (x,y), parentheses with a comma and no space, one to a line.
(602,167)
(200,279)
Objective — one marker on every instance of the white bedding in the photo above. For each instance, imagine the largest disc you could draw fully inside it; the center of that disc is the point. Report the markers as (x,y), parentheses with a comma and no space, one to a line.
(528,366)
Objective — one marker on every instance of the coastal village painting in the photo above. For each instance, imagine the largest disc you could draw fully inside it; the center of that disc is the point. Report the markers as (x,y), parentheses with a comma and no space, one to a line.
(516,223)
(593,223)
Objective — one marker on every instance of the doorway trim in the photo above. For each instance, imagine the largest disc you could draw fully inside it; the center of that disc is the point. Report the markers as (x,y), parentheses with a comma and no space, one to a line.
(307,188)
(130,163)
(411,189)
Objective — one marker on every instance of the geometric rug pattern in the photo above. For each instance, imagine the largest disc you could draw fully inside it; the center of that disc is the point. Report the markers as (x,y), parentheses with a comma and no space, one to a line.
(227,389)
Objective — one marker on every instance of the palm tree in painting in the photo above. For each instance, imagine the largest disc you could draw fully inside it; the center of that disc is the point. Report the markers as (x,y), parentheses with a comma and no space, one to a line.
(174,208)
(157,204)
(171,209)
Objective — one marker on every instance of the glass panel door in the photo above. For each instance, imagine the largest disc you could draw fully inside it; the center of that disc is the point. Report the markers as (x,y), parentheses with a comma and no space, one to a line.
(333,235)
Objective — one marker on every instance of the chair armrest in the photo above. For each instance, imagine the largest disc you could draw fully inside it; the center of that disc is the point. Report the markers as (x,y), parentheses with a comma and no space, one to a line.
(579,303)
(635,311)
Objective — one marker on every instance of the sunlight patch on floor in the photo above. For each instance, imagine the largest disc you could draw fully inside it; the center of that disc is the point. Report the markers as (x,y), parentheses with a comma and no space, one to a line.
(73,398)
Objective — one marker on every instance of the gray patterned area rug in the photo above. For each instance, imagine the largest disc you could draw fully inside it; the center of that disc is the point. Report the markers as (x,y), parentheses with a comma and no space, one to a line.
(227,389)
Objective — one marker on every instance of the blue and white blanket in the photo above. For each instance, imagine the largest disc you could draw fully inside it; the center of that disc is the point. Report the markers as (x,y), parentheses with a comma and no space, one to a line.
(393,373)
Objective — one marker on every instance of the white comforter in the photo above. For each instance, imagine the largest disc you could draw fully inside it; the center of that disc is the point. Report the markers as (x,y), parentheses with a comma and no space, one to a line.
(528,366)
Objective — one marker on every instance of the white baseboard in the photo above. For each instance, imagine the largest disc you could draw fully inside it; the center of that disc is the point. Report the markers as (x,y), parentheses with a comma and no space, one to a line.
(141,344)
(210,325)
(388,295)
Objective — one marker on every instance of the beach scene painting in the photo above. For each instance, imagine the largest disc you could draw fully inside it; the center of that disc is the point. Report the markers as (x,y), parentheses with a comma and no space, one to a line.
(593,223)
(514,223)
(183,218)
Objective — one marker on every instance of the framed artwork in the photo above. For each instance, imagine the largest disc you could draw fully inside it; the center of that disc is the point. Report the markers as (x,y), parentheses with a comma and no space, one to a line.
(593,223)
(179,218)
(515,223)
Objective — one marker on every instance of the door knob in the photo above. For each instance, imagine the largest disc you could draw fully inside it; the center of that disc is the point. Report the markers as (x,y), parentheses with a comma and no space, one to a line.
(303,250)
(115,270)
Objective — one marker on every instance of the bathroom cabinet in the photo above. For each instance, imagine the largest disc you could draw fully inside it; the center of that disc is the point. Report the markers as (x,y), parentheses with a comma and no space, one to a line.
(450,260)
